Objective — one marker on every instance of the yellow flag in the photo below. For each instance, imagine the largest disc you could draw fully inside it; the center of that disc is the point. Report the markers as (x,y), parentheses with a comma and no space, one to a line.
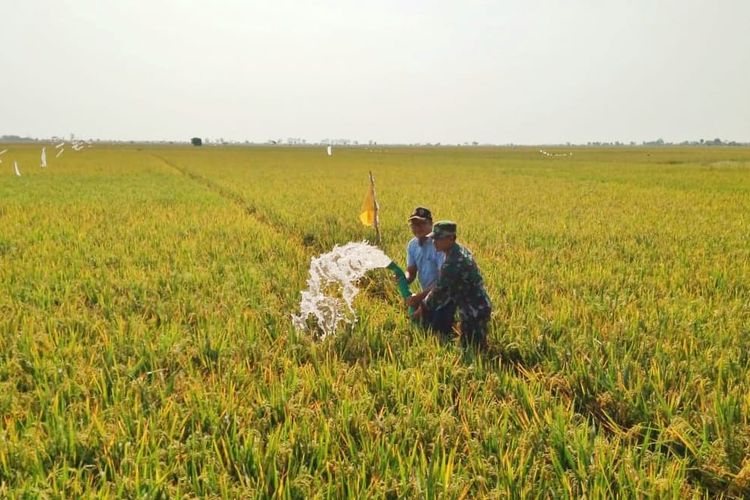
(368,208)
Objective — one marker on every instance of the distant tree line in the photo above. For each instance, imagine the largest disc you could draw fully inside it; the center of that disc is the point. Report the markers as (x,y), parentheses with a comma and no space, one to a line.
(662,142)
(16,138)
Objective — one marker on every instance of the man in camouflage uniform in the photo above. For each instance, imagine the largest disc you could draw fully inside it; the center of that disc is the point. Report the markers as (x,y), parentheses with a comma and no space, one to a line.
(461,282)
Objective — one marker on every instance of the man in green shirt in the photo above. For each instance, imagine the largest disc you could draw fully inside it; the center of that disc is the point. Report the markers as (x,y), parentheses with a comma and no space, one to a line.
(461,282)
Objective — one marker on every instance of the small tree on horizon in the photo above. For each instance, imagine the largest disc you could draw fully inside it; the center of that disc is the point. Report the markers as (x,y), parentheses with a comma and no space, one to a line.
(196,141)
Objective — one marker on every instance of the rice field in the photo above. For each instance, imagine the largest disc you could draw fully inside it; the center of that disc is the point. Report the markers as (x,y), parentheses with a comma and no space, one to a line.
(147,350)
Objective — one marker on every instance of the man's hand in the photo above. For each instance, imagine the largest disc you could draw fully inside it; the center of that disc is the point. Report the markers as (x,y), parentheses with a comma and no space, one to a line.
(418,313)
(413,301)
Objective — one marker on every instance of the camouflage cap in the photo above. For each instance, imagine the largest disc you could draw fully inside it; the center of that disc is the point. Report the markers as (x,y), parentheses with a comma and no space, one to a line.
(421,213)
(443,228)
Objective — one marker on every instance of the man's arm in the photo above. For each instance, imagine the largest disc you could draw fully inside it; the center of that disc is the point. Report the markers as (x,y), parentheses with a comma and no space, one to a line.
(417,298)
(411,273)
(442,291)
(436,296)
(411,263)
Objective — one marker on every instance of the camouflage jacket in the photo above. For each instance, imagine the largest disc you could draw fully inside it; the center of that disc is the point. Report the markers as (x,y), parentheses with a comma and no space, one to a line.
(461,282)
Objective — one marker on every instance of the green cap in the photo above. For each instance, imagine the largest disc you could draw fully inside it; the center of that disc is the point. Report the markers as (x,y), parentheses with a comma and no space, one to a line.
(443,228)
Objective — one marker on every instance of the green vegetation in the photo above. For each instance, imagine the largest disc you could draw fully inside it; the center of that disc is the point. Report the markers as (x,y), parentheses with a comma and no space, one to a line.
(146,347)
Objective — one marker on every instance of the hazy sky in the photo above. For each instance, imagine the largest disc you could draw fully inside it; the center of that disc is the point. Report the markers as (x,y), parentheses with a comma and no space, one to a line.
(390,71)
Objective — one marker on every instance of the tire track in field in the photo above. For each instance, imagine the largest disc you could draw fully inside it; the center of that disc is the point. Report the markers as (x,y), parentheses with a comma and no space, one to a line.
(235,198)
(250,210)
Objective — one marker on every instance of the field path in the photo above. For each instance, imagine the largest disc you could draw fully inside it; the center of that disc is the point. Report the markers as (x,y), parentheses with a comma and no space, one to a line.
(217,188)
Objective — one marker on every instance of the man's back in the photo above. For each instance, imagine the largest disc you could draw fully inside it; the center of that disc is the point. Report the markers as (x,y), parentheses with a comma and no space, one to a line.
(461,282)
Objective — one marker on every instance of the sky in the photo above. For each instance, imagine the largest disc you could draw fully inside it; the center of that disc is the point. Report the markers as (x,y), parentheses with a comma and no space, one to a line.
(522,72)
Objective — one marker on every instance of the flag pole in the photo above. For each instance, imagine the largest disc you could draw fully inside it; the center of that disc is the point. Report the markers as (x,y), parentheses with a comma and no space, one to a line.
(377,207)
